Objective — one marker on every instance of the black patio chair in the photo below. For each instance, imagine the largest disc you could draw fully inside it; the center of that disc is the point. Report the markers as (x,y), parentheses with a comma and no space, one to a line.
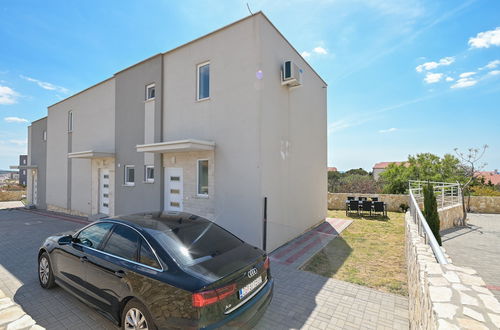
(379,207)
(374,199)
(351,198)
(366,206)
(352,206)
(362,198)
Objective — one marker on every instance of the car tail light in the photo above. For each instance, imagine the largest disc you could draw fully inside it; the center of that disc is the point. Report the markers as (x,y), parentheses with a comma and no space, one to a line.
(266,263)
(204,298)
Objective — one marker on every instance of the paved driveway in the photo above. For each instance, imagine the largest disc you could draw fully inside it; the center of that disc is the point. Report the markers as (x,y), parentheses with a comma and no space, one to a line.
(478,247)
(301,299)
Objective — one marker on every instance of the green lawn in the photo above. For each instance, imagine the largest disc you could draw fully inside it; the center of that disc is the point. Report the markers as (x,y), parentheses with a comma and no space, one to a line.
(369,252)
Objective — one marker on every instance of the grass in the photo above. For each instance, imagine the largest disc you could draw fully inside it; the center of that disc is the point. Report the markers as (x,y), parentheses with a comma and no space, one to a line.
(369,252)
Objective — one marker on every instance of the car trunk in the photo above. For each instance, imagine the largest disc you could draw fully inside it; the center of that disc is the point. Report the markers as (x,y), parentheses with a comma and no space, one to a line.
(239,268)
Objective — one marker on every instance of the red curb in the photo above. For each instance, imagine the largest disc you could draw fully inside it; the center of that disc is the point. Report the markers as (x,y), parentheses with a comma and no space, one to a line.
(302,251)
(493,287)
(54,216)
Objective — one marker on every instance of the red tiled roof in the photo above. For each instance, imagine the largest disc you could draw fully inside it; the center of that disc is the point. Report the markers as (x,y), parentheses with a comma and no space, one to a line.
(488,176)
(332,169)
(386,164)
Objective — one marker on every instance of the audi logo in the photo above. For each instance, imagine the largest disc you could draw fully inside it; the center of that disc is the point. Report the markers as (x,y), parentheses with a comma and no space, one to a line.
(252,272)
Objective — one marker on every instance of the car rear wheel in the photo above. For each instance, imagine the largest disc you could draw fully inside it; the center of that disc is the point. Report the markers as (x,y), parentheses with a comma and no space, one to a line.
(136,316)
(45,274)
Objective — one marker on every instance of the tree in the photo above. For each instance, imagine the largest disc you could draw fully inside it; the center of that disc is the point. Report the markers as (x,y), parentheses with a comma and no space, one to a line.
(431,212)
(468,167)
(424,167)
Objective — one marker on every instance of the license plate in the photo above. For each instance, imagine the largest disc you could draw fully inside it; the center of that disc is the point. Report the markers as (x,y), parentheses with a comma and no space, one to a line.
(250,287)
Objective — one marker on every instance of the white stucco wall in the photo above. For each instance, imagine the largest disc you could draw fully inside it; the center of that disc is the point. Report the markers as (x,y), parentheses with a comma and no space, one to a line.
(230,118)
(93,129)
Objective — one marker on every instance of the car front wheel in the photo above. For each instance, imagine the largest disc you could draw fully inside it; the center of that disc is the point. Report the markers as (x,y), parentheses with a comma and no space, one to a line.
(136,317)
(45,274)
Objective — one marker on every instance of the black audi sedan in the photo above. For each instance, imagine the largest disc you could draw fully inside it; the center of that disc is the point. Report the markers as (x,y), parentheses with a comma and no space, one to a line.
(161,271)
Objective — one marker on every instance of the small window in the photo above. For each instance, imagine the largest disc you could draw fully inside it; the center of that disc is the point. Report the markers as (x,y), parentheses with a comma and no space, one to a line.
(129,175)
(93,235)
(70,121)
(24,172)
(24,161)
(44,135)
(147,256)
(123,242)
(203,81)
(150,92)
(149,173)
(203,177)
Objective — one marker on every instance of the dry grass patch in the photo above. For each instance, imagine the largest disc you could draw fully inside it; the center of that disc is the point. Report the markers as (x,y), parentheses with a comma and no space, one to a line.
(6,196)
(369,252)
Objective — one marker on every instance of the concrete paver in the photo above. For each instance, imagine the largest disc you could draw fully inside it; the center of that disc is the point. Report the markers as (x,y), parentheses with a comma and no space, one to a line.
(301,299)
(477,246)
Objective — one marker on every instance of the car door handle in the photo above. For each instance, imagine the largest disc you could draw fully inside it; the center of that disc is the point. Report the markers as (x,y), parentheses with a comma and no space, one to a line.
(120,273)
(84,259)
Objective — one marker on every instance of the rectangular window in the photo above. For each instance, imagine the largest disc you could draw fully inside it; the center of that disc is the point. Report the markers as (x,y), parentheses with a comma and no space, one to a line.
(129,175)
(44,135)
(150,92)
(203,81)
(203,177)
(149,173)
(70,121)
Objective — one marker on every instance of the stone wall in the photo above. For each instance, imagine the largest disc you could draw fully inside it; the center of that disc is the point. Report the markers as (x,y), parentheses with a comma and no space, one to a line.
(445,296)
(449,216)
(336,201)
(485,204)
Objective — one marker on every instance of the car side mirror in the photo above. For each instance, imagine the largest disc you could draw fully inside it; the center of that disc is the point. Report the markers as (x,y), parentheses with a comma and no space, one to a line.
(65,240)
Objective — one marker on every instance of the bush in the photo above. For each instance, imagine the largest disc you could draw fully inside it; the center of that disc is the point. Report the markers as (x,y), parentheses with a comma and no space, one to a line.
(6,196)
(430,211)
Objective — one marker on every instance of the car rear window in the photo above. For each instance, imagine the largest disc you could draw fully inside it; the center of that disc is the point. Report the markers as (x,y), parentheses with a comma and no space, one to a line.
(195,242)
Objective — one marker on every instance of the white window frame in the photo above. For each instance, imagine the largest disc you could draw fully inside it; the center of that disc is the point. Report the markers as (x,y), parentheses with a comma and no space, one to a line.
(70,121)
(147,94)
(44,135)
(198,81)
(146,179)
(125,176)
(198,177)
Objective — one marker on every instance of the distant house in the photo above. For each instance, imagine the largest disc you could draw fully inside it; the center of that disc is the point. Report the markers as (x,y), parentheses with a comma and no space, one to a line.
(379,168)
(332,169)
(489,176)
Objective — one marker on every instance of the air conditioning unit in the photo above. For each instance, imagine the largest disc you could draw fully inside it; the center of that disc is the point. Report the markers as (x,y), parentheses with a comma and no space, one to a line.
(291,74)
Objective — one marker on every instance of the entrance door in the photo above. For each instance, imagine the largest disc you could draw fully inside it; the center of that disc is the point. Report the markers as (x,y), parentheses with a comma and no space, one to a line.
(104,191)
(35,187)
(174,189)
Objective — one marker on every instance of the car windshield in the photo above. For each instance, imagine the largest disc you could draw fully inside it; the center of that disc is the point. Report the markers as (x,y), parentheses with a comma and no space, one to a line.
(195,242)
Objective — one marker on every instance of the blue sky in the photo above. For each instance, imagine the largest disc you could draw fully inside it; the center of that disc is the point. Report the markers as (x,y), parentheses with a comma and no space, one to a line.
(404,76)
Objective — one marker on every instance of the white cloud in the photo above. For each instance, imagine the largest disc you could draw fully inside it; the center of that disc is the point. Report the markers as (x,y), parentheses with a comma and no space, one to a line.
(486,39)
(492,64)
(494,72)
(46,85)
(449,79)
(7,95)
(432,78)
(305,54)
(467,74)
(464,82)
(15,120)
(320,50)
(389,130)
(18,142)
(445,61)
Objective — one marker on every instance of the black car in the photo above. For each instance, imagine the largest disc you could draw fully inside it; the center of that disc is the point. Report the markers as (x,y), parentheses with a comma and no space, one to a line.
(161,271)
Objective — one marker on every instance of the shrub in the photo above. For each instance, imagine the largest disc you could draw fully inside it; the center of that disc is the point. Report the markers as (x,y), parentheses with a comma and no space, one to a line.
(430,211)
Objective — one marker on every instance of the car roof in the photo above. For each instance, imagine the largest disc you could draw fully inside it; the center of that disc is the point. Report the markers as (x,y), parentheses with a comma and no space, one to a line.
(162,221)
